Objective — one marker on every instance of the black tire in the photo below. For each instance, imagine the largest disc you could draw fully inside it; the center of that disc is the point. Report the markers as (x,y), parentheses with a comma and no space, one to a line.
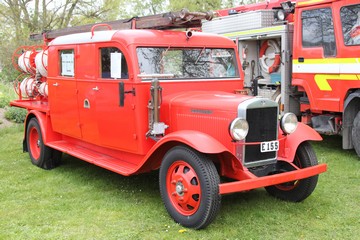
(297,191)
(40,155)
(355,134)
(182,171)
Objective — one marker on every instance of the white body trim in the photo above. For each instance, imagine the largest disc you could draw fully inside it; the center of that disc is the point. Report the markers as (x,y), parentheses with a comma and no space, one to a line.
(99,36)
(335,68)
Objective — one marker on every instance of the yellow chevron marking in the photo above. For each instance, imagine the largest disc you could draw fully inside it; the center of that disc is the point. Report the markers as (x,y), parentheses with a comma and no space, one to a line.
(322,80)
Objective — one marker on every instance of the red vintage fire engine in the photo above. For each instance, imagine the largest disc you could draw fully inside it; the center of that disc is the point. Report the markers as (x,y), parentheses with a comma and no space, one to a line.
(138,99)
(304,55)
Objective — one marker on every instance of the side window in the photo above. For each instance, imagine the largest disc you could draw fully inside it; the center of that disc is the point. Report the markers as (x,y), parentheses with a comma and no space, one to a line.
(113,63)
(350,20)
(318,30)
(67,63)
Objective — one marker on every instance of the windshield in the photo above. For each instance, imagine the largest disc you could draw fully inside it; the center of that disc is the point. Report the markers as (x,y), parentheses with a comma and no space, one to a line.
(350,19)
(188,63)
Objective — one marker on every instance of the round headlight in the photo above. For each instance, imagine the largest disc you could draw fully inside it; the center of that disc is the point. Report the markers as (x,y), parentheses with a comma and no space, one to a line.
(280,15)
(288,123)
(239,128)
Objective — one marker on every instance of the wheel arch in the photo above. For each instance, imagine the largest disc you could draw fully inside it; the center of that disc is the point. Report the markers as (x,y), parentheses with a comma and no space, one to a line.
(351,108)
(45,126)
(196,140)
(292,141)
(41,119)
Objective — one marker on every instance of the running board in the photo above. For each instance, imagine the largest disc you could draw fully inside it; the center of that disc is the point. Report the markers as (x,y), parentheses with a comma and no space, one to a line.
(105,161)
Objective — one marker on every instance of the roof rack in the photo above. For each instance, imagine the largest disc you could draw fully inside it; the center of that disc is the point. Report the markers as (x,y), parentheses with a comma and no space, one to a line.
(169,20)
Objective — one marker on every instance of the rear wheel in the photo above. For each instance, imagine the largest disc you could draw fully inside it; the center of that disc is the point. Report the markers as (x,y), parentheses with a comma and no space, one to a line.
(298,190)
(40,155)
(189,187)
(355,134)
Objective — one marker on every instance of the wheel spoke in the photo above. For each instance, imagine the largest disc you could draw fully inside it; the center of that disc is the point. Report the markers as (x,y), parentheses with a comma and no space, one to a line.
(184,187)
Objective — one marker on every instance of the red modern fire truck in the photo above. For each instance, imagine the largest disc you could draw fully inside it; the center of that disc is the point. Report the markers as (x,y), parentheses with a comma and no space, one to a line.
(145,98)
(304,55)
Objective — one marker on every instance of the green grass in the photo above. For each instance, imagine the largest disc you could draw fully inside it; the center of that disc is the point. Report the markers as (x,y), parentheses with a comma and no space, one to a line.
(80,201)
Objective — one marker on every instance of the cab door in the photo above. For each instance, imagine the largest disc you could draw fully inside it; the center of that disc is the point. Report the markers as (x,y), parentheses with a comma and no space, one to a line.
(62,85)
(87,92)
(116,123)
(315,56)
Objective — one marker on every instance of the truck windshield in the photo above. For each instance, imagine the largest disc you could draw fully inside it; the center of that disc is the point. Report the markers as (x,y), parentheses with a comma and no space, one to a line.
(188,63)
(350,19)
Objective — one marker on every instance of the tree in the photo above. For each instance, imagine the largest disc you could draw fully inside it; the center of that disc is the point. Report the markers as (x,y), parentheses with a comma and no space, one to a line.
(195,5)
(19,18)
(147,7)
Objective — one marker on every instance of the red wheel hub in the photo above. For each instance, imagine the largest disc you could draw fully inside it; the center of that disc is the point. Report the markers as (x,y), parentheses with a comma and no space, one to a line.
(183,188)
(34,143)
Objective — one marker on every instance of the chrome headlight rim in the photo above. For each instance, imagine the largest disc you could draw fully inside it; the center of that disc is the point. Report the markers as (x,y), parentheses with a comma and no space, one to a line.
(288,123)
(239,129)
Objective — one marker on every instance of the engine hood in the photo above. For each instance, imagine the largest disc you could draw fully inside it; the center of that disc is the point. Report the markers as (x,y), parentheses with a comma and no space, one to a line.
(205,101)
(210,113)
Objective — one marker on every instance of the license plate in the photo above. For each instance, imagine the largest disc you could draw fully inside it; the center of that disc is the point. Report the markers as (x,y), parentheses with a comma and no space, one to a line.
(270,146)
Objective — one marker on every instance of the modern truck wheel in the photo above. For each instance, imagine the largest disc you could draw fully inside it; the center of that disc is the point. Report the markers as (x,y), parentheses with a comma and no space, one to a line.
(355,134)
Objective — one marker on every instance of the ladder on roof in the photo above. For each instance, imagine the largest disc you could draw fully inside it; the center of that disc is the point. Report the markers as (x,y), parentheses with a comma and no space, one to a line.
(169,20)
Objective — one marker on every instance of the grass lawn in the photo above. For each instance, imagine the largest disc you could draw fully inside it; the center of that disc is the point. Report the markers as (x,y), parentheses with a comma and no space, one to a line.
(80,201)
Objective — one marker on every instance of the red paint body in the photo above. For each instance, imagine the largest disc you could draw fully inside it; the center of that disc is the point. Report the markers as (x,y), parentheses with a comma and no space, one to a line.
(82,116)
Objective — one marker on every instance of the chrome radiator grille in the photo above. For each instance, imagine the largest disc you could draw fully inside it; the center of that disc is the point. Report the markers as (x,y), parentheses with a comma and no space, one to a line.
(262,127)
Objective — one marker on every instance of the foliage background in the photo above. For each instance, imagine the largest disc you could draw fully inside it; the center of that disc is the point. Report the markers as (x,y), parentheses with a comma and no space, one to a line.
(19,18)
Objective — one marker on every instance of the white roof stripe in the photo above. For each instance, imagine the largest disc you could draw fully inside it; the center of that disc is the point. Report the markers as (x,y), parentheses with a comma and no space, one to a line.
(99,36)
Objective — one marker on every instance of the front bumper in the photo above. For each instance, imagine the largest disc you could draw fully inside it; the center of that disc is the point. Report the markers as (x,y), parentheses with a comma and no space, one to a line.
(275,179)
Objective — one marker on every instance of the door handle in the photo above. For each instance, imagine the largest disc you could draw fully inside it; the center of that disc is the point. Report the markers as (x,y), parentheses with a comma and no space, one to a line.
(55,84)
(96,88)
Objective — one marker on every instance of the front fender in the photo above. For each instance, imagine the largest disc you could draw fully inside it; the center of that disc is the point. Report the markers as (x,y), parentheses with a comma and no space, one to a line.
(290,143)
(197,140)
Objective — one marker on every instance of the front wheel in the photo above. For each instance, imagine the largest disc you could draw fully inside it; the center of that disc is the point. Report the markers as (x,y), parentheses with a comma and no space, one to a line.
(40,154)
(189,187)
(355,134)
(297,191)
